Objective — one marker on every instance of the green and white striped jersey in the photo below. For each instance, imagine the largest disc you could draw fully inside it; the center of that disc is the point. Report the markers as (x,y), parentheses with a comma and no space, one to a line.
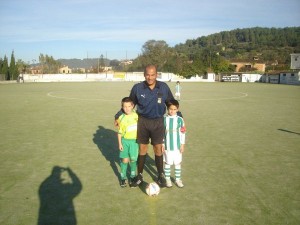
(174,132)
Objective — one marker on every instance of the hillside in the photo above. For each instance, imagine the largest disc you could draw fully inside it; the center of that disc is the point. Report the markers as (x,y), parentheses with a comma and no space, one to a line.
(82,63)
(269,44)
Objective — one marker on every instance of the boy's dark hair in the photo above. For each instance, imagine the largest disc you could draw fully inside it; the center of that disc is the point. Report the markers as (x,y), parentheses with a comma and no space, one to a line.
(173,102)
(126,99)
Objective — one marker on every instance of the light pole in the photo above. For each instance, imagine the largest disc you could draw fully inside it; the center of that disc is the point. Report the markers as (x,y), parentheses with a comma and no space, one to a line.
(87,65)
(105,64)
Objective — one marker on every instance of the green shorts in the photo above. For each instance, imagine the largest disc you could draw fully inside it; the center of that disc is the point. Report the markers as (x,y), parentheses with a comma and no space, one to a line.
(130,149)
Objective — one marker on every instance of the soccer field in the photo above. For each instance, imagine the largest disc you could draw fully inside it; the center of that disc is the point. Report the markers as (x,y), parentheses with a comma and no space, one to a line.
(241,163)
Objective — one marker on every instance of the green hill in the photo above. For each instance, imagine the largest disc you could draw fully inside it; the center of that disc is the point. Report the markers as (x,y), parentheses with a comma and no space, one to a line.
(268,44)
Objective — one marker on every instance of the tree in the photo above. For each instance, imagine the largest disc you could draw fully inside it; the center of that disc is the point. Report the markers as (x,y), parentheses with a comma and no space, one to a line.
(2,77)
(155,52)
(49,64)
(102,63)
(13,70)
(22,66)
(188,70)
(223,66)
(5,69)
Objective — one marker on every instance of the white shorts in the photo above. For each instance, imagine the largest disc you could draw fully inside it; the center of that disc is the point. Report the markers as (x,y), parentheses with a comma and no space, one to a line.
(177,94)
(172,157)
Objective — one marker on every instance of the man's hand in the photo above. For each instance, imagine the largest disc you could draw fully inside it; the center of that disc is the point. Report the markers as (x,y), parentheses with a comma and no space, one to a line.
(116,123)
(181,148)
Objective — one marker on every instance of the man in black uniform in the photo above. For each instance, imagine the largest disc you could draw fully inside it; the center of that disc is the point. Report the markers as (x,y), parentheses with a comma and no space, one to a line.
(150,97)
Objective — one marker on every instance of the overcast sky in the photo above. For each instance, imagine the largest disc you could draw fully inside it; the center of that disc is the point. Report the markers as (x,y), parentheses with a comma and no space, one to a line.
(118,29)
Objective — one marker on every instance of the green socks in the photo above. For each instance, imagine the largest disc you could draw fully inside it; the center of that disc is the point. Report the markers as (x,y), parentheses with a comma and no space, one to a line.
(133,169)
(123,170)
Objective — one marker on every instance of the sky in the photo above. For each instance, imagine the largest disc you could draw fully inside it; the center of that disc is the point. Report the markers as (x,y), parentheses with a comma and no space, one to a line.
(118,29)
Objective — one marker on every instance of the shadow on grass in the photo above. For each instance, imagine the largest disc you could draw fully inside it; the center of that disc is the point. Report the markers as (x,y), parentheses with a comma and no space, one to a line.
(288,131)
(150,166)
(56,195)
(107,142)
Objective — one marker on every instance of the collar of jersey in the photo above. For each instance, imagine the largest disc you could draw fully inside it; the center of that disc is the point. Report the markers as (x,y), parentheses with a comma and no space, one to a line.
(157,84)
(172,116)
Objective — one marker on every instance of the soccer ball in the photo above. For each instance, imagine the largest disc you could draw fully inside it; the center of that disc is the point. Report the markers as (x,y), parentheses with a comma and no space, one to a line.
(152,189)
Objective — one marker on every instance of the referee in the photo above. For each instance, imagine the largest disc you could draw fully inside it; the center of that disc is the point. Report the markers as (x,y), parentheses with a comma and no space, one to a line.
(150,97)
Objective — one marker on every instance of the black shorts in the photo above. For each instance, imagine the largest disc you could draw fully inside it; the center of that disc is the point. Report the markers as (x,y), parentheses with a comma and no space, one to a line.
(150,129)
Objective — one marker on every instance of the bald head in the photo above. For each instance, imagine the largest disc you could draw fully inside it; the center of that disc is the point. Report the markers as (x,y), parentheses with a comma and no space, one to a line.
(150,67)
(150,75)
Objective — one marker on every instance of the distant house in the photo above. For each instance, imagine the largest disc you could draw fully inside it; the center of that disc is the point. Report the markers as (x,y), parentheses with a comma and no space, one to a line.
(289,78)
(250,65)
(106,68)
(126,62)
(282,78)
(271,77)
(65,70)
(286,77)
(295,61)
(36,70)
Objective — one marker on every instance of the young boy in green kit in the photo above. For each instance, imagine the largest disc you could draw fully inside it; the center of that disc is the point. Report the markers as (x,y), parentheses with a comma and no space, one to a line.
(127,135)
(174,143)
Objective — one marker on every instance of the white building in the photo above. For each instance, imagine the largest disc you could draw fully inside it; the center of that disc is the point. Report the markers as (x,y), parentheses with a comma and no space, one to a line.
(251,77)
(289,77)
(65,69)
(295,61)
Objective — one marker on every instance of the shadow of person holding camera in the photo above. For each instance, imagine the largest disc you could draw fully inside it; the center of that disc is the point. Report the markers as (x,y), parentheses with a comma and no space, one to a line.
(56,194)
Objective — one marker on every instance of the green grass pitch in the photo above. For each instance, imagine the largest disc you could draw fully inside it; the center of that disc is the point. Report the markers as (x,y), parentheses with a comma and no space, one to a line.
(241,164)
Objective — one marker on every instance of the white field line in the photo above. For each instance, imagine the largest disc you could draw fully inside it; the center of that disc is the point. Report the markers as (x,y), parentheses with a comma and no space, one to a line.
(243,95)
(53,95)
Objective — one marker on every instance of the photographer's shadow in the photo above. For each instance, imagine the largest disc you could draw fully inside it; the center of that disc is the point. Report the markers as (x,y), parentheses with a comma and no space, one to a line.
(56,194)
(107,142)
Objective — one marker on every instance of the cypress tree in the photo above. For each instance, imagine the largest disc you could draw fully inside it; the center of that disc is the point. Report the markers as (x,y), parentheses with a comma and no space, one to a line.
(13,70)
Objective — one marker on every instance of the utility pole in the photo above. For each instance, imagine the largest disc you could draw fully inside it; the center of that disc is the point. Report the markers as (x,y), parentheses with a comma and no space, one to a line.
(105,64)
(87,65)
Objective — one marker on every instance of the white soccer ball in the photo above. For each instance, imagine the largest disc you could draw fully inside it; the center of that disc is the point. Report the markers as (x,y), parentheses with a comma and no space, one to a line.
(152,189)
